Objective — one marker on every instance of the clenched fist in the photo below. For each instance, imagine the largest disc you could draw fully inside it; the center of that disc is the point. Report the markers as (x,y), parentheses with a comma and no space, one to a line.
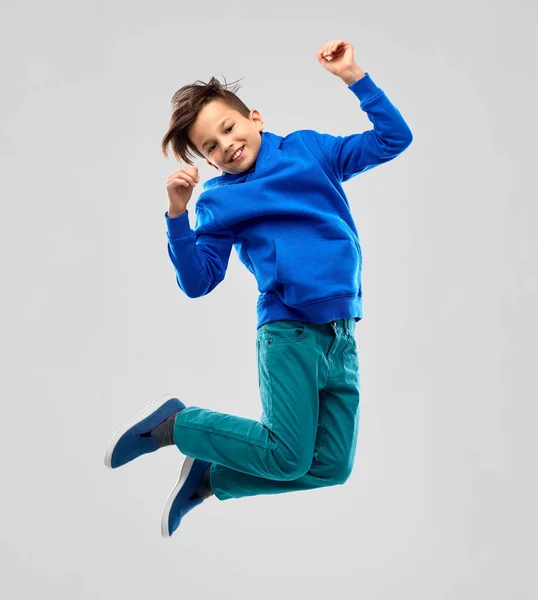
(179,187)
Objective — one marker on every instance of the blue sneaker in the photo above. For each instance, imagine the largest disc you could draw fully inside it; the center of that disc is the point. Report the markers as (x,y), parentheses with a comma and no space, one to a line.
(179,502)
(128,443)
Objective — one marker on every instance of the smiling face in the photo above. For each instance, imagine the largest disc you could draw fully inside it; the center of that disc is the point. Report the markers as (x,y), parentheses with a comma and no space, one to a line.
(219,131)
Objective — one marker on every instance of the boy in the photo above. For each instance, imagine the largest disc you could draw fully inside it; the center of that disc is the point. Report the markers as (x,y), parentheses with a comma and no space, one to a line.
(280,203)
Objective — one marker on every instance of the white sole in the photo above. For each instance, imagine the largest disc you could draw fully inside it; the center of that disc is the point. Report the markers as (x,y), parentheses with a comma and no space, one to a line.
(140,417)
(185,471)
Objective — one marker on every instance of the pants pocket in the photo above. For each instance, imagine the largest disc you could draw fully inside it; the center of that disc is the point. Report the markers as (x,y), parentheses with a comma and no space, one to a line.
(279,332)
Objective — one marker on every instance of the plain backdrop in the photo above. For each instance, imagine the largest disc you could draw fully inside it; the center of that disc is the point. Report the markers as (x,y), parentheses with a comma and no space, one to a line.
(442,501)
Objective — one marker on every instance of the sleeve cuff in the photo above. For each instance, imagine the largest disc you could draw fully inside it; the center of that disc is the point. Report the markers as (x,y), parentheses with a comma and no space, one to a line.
(364,88)
(178,227)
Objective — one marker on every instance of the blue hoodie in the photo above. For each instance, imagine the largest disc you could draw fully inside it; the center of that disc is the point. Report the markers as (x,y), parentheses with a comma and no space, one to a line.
(289,218)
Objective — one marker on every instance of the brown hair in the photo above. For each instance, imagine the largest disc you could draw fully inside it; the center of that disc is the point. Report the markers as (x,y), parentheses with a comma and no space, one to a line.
(186,103)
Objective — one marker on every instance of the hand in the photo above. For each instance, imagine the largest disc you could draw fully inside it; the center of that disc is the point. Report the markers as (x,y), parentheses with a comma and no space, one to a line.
(179,187)
(337,57)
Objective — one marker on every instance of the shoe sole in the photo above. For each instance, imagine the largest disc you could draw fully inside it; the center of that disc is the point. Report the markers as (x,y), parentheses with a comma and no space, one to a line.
(140,417)
(185,472)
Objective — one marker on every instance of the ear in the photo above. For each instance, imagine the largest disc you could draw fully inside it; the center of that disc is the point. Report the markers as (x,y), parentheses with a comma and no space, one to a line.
(256,117)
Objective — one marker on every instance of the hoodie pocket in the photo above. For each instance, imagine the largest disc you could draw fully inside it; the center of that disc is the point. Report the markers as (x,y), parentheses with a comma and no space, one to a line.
(318,262)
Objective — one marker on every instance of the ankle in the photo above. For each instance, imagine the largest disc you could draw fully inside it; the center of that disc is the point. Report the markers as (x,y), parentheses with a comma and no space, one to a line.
(163,434)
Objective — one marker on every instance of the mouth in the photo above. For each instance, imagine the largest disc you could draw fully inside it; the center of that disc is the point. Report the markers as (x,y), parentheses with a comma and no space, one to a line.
(238,157)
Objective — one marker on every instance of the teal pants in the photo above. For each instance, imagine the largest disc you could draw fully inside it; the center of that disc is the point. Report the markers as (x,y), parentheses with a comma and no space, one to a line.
(306,438)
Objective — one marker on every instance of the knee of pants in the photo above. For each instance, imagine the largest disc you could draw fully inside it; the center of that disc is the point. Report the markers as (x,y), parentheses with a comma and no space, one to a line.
(292,466)
(341,473)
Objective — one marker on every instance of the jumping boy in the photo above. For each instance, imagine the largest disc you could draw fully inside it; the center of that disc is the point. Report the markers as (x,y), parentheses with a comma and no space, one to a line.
(280,203)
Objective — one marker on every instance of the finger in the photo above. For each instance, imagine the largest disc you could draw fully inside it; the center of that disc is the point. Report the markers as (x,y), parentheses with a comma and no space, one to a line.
(327,51)
(180,183)
(176,174)
(184,171)
(336,44)
(323,51)
(182,179)
(187,169)
(193,171)
(190,179)
(192,174)
(330,46)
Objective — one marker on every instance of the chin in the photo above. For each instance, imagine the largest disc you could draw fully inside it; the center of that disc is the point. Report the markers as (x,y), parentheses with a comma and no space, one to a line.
(243,168)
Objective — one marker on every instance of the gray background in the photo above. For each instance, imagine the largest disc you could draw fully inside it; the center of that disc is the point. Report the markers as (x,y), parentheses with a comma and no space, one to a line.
(442,502)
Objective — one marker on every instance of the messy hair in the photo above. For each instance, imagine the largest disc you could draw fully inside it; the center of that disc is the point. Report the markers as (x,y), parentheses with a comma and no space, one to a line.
(186,104)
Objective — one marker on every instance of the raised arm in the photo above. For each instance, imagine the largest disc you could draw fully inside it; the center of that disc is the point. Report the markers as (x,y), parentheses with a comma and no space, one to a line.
(390,136)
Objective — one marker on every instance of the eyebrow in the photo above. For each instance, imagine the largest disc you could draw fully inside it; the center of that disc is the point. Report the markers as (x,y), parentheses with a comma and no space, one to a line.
(219,125)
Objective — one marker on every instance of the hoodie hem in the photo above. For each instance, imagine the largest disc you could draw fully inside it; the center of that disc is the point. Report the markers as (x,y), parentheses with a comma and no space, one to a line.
(327,310)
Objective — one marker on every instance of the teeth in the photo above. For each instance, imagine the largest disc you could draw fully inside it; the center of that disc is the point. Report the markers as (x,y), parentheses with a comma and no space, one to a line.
(237,154)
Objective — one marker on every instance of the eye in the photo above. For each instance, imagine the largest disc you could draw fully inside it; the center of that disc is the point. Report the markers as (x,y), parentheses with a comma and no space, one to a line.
(209,149)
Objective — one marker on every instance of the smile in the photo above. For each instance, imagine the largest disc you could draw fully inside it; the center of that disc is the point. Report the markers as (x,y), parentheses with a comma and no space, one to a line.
(237,155)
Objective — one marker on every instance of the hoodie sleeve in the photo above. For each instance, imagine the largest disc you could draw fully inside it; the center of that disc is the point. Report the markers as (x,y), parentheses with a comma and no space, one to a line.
(200,257)
(356,153)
